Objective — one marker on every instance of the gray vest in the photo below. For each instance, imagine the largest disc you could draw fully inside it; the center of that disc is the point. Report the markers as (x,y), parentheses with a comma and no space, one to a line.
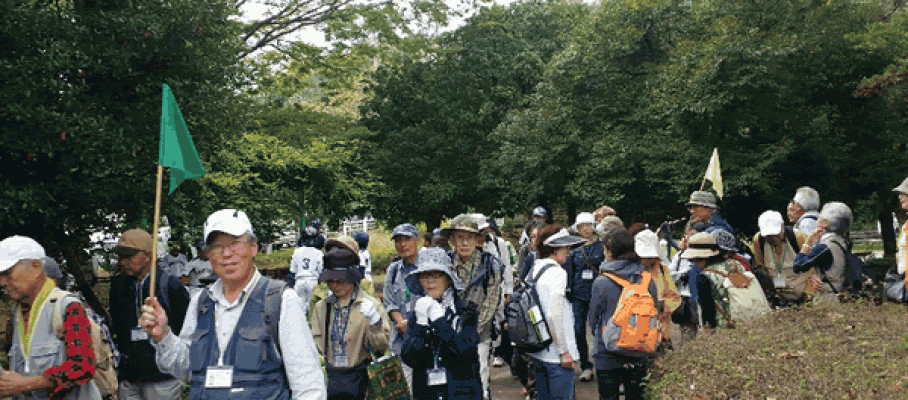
(258,368)
(47,350)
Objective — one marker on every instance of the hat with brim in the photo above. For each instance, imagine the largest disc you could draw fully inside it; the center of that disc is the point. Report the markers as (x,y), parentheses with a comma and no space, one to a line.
(701,245)
(584,218)
(463,222)
(903,188)
(132,241)
(609,224)
(343,242)
(17,248)
(433,259)
(405,230)
(646,244)
(563,239)
(702,198)
(229,221)
(340,265)
(770,223)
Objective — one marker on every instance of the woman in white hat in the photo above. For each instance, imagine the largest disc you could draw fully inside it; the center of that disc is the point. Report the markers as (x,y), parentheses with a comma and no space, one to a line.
(646,245)
(901,256)
(441,344)
(554,365)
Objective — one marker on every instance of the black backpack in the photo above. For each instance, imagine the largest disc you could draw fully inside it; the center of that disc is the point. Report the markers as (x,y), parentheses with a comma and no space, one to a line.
(526,323)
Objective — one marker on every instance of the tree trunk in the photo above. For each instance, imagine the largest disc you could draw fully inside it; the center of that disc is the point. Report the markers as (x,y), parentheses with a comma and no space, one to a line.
(885,218)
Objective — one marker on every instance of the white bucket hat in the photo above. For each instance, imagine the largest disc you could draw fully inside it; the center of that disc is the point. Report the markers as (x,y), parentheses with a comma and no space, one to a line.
(646,245)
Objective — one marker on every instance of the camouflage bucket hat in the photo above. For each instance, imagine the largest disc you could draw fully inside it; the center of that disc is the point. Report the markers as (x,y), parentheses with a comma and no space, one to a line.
(702,198)
(462,222)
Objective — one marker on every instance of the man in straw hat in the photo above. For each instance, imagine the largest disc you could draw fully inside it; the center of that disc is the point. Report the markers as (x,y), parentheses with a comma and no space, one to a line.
(42,364)
(209,352)
(139,376)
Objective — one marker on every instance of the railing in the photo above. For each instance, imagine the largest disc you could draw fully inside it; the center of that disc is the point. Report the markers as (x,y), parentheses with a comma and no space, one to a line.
(355,223)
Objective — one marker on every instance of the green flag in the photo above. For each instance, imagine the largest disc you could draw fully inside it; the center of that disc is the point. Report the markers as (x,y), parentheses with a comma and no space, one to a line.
(177,151)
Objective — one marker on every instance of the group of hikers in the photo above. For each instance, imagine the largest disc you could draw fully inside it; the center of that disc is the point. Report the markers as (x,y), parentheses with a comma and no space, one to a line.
(446,307)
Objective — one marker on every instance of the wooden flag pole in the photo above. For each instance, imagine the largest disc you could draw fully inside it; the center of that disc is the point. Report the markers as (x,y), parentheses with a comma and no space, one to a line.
(154,233)
(703,184)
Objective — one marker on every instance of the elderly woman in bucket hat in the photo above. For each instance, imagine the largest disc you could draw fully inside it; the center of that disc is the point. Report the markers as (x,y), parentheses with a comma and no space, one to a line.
(481,272)
(441,343)
(348,326)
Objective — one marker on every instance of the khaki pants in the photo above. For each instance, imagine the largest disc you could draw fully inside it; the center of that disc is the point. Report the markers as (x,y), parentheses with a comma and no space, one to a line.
(170,389)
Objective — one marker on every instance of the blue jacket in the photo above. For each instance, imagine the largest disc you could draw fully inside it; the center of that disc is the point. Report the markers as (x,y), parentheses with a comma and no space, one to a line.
(582,268)
(719,223)
(457,352)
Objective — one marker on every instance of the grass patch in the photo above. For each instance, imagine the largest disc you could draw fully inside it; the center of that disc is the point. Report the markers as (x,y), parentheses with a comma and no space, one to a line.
(852,350)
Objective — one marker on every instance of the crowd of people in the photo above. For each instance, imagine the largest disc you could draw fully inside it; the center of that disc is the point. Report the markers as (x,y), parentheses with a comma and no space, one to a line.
(235,333)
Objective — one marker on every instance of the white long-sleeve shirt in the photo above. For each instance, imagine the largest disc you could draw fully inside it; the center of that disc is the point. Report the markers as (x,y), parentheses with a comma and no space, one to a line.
(301,359)
(551,290)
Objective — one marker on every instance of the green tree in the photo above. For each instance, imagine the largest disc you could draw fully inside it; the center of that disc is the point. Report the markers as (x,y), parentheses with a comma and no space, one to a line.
(630,111)
(431,117)
(80,119)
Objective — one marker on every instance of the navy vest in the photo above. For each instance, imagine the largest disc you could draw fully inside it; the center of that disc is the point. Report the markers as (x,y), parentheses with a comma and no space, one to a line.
(253,351)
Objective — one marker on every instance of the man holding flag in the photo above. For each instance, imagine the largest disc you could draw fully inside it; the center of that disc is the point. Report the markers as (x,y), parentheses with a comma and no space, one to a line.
(702,204)
(242,336)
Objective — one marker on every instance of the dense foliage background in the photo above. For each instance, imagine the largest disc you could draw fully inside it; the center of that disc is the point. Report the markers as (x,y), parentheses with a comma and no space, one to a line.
(559,103)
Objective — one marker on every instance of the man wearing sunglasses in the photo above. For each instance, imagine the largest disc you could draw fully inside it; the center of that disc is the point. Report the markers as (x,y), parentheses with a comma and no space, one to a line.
(139,376)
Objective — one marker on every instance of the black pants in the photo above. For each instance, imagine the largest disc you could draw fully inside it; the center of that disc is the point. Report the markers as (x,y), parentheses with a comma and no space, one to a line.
(611,379)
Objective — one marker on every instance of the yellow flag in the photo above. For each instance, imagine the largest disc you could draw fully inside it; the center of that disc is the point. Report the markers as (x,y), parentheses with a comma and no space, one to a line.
(714,173)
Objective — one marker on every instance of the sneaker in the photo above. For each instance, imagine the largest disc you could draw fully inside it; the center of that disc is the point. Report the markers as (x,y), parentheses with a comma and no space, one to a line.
(587,375)
(497,362)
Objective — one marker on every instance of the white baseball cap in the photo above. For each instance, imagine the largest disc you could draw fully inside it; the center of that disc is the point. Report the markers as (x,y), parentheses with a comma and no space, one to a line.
(17,248)
(584,218)
(230,221)
(770,223)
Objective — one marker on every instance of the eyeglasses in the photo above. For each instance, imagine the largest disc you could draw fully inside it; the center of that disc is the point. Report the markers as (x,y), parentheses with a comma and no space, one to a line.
(218,248)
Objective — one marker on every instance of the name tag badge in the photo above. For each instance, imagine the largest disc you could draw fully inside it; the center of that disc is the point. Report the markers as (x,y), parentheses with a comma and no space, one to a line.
(219,377)
(587,274)
(780,282)
(438,376)
(138,334)
(341,361)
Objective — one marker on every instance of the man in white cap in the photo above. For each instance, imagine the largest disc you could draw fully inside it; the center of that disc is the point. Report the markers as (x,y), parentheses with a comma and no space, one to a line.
(775,247)
(41,363)
(804,210)
(245,336)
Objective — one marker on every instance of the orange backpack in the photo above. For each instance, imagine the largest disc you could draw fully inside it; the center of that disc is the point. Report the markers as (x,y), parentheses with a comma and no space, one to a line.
(634,327)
